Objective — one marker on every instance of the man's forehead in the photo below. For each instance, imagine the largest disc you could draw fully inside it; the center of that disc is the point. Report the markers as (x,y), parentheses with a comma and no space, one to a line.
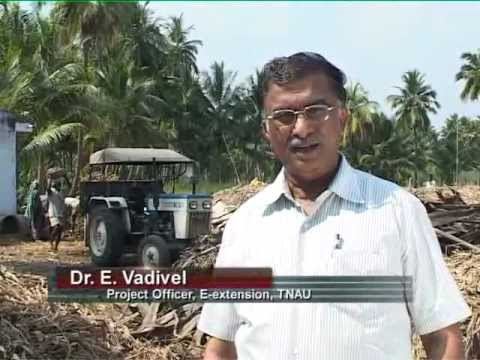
(316,88)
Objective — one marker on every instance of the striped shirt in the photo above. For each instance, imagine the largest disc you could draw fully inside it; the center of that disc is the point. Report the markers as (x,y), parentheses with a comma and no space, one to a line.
(385,231)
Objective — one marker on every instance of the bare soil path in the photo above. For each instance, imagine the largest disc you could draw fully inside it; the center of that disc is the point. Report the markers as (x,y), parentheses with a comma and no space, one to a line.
(35,257)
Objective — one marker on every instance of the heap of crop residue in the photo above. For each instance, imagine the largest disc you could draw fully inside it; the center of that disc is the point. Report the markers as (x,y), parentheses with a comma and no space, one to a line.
(34,329)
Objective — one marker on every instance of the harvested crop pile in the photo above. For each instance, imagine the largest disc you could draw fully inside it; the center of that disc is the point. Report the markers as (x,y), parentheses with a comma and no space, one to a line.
(464,266)
(466,270)
(32,328)
(225,203)
(237,195)
(469,194)
(201,255)
(455,218)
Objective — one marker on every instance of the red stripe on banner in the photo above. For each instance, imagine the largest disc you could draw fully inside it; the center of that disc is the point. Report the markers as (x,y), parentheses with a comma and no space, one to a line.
(135,278)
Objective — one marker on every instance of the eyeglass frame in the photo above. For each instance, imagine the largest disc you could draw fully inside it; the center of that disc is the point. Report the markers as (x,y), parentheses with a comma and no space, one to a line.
(296,113)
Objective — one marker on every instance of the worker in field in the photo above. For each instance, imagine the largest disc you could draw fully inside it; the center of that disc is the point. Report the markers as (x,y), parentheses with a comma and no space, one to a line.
(321,217)
(56,211)
(34,211)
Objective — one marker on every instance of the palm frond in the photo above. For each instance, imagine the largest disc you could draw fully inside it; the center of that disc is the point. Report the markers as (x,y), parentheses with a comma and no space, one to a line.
(52,136)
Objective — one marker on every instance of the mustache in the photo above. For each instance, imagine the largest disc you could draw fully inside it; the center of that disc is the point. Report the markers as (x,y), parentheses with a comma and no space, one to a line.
(297,142)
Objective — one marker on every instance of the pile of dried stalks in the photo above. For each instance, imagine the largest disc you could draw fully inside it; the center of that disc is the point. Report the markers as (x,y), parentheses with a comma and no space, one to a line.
(225,202)
(455,214)
(466,270)
(464,266)
(33,329)
(469,194)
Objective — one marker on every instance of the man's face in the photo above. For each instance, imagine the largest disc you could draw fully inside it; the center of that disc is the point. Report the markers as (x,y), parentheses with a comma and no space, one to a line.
(57,185)
(307,149)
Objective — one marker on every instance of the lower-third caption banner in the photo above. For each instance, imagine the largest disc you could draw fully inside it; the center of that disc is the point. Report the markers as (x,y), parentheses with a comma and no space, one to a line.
(90,284)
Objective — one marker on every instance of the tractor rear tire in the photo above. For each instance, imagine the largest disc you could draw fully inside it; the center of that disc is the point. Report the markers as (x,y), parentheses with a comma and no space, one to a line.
(153,252)
(107,235)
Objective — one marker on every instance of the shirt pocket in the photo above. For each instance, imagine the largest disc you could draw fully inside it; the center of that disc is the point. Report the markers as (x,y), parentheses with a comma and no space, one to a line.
(357,263)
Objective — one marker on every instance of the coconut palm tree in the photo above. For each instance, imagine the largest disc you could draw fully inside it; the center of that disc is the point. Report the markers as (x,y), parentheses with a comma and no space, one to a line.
(17,30)
(361,110)
(147,42)
(391,154)
(414,104)
(456,156)
(258,159)
(14,82)
(470,74)
(222,96)
(125,100)
(94,25)
(181,52)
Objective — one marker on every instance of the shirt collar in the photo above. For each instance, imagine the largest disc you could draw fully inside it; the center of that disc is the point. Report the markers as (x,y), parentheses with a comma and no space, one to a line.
(345,185)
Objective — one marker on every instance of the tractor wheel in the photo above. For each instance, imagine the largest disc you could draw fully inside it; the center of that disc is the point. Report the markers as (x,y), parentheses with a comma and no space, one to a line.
(87,221)
(107,236)
(153,252)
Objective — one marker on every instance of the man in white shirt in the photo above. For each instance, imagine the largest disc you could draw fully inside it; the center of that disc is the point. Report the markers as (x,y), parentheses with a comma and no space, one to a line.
(294,227)
(56,212)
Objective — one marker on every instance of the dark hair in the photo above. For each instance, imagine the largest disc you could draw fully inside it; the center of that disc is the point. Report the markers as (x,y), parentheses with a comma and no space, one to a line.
(285,69)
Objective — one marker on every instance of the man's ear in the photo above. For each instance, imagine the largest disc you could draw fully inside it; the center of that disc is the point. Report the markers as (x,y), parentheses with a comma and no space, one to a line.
(264,133)
(344,117)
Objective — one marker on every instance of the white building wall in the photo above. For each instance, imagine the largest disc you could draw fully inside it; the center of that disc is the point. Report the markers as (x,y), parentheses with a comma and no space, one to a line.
(8,187)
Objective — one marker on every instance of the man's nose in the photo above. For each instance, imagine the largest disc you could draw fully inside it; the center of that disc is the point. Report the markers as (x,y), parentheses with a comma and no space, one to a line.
(302,128)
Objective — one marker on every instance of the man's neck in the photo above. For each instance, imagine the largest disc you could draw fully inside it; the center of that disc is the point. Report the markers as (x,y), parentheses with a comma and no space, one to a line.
(304,190)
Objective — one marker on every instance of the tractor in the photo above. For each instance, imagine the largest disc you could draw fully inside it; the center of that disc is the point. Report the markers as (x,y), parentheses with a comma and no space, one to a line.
(128,210)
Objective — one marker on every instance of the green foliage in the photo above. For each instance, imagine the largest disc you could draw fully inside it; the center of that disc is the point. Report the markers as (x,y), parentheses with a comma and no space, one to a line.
(415,102)
(468,147)
(51,136)
(361,111)
(95,74)
(470,74)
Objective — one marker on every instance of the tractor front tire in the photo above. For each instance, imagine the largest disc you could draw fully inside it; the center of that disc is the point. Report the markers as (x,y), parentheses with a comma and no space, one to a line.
(153,252)
(107,235)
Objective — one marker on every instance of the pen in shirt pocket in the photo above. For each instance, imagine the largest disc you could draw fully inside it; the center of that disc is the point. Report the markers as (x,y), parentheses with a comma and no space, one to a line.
(338,242)
(337,245)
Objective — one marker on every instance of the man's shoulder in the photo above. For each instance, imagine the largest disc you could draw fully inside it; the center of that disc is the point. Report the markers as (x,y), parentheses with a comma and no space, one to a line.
(255,205)
(376,189)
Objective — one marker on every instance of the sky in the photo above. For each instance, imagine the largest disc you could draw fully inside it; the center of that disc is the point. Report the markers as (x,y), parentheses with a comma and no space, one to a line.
(373,43)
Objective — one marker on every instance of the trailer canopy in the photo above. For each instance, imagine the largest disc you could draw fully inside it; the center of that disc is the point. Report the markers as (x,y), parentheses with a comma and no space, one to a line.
(137,156)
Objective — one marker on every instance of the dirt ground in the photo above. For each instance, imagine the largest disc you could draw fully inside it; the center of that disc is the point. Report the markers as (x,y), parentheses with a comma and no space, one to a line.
(35,257)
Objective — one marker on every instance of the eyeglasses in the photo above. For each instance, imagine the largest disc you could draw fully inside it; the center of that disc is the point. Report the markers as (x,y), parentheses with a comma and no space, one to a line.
(287,117)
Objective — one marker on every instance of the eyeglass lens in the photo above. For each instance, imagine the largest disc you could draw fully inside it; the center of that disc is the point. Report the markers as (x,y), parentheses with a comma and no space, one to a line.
(288,117)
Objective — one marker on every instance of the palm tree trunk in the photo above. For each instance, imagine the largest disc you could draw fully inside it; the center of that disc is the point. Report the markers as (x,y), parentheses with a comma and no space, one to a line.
(237,176)
(41,173)
(78,165)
